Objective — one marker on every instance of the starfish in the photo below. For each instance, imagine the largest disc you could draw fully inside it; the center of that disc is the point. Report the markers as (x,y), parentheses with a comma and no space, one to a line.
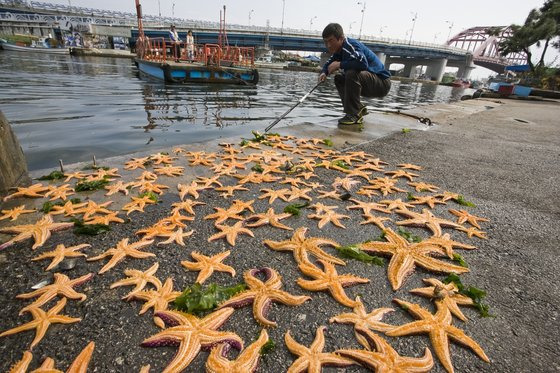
(393,204)
(379,356)
(79,365)
(296,193)
(138,204)
(401,173)
(135,163)
(311,359)
(22,365)
(273,194)
(186,205)
(157,299)
(68,209)
(117,187)
(427,200)
(62,285)
(75,175)
(472,231)
(447,244)
(358,173)
(33,191)
(122,250)
(363,320)
(93,208)
(230,232)
(269,217)
(347,183)
(175,220)
(222,215)
(155,230)
(446,196)
(367,206)
(239,206)
(439,328)
(374,219)
(171,171)
(104,219)
(445,295)
(261,294)
(365,191)
(228,190)
(209,181)
(372,165)
(147,176)
(329,280)
(326,194)
(61,192)
(423,187)
(329,216)
(300,246)
(151,187)
(246,362)
(293,181)
(207,265)
(139,279)
(60,253)
(385,185)
(409,166)
(200,160)
(176,236)
(426,219)
(405,255)
(348,159)
(306,175)
(191,189)
(42,320)
(464,216)
(160,158)
(40,231)
(15,212)
(103,173)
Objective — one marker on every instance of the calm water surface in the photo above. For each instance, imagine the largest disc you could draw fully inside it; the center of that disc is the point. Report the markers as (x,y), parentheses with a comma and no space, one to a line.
(64,107)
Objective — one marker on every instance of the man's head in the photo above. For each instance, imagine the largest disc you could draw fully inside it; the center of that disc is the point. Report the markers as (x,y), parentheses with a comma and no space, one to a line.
(333,36)
(189,33)
(172,27)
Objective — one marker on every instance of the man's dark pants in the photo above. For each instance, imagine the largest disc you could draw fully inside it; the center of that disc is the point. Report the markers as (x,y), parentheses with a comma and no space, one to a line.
(353,84)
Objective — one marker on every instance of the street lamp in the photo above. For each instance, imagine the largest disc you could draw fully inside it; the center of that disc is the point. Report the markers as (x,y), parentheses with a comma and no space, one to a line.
(311,23)
(350,27)
(381,30)
(363,12)
(413,24)
(159,7)
(450,27)
(250,13)
(436,36)
(173,10)
(283,8)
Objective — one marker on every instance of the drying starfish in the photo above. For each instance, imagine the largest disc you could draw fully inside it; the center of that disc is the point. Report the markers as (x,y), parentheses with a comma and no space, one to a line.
(207,265)
(160,158)
(445,295)
(446,196)
(269,217)
(401,173)
(169,170)
(246,362)
(209,181)
(102,173)
(135,163)
(379,356)
(40,231)
(464,216)
(186,205)
(191,334)
(33,191)
(61,192)
(301,246)
(296,193)
(426,219)
(472,231)
(409,166)
(192,189)
(155,230)
(364,191)
(22,365)
(222,215)
(176,236)
(175,220)
(439,327)
(13,214)
(93,208)
(363,320)
(122,250)
(147,176)
(347,183)
(374,219)
(239,206)
(200,161)
(293,181)
(151,187)
(372,165)
(423,187)
(117,187)
(60,253)
(75,175)
(348,159)
(138,204)
(62,285)
(447,244)
(393,204)
(42,320)
(273,194)
(230,232)
(68,209)
(139,280)
(157,299)
(261,294)
(405,255)
(228,190)
(311,359)
(326,194)
(79,365)
(358,173)
(104,219)
(431,201)
(367,206)
(385,185)
(328,215)
(222,169)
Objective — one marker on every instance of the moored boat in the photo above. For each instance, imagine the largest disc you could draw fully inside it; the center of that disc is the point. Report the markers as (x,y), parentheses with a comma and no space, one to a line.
(21,48)
(462,83)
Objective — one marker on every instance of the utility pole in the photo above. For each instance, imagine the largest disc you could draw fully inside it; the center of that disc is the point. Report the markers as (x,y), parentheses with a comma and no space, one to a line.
(450,27)
(283,8)
(362,22)
(311,23)
(250,13)
(413,24)
(159,7)
(173,10)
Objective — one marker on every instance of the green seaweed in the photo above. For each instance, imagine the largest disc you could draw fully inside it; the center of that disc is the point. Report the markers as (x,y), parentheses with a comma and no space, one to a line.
(340,163)
(474,293)
(55,175)
(243,142)
(151,195)
(48,206)
(405,130)
(95,167)
(196,300)
(89,229)
(268,347)
(410,197)
(460,260)
(83,185)
(328,142)
(409,236)
(257,168)
(295,208)
(462,201)
(354,252)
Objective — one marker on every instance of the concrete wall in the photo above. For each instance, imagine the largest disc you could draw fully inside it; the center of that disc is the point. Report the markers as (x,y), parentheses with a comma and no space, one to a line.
(13,167)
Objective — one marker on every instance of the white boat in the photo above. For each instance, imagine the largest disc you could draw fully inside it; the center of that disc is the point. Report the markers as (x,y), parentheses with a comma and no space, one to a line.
(13,47)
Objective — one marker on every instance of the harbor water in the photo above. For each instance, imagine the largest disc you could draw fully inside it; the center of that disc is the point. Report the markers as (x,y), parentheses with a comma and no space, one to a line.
(70,108)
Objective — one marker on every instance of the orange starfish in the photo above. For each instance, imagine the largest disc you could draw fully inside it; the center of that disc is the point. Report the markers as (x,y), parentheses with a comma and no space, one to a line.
(158,299)
(61,192)
(207,265)
(445,295)
(93,208)
(151,187)
(118,187)
(246,362)
(329,280)
(79,365)
(367,206)
(464,216)
(33,191)
(122,250)
(171,171)
(311,359)
(401,173)
(374,219)
(155,230)
(192,189)
(176,236)
(175,220)
(347,183)
(446,243)
(15,212)
(209,181)
(241,206)
(160,158)
(393,204)
(363,320)
(427,200)
(327,216)
(138,204)
(409,166)
(60,253)
(139,279)
(136,163)
(269,217)
(261,294)
(222,215)
(75,175)
(273,194)
(385,185)
(332,194)
(296,193)
(228,190)
(186,205)
(42,320)
(104,219)
(426,219)
(40,231)
(423,187)
(230,232)
(439,327)
(472,231)
(68,209)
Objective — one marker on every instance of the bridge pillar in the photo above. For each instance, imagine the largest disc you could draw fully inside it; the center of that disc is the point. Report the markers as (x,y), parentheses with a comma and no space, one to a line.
(407,72)
(382,57)
(464,71)
(436,69)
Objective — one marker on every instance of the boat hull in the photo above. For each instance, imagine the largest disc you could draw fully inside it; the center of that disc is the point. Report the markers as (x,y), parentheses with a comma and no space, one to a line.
(184,73)
(19,48)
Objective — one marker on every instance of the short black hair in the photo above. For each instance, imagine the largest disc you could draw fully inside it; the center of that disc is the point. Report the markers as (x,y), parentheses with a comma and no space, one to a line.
(333,29)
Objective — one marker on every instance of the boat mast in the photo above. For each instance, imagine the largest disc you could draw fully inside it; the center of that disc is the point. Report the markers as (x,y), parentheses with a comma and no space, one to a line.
(222,36)
(140,29)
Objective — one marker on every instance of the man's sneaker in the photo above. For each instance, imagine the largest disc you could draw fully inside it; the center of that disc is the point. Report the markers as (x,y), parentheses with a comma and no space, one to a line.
(363,111)
(350,119)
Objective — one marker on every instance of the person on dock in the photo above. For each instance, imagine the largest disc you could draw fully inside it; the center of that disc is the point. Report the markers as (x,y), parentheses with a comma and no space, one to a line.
(174,36)
(190,46)
(362,73)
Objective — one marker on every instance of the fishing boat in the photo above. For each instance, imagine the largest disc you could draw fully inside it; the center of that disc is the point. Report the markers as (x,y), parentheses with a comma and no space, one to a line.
(206,63)
(34,48)
(461,83)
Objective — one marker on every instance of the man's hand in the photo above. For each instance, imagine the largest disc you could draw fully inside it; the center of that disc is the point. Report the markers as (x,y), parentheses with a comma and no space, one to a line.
(322,77)
(334,66)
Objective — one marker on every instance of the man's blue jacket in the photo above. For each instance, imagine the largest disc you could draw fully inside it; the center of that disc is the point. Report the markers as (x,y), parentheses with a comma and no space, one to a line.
(356,56)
